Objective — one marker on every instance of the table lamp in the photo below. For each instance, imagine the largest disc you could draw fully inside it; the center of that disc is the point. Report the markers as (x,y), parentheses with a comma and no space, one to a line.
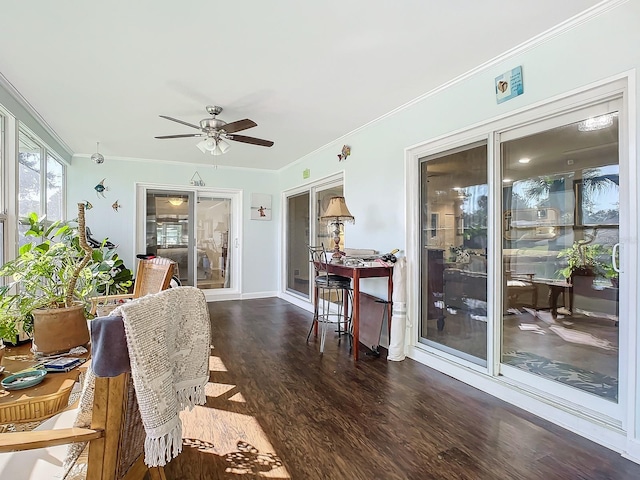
(337,213)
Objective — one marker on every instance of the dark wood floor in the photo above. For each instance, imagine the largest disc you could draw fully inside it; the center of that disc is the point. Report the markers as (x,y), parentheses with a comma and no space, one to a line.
(278,409)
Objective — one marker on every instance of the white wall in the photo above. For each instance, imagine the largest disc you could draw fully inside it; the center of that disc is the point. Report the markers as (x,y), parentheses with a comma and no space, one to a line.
(591,51)
(260,249)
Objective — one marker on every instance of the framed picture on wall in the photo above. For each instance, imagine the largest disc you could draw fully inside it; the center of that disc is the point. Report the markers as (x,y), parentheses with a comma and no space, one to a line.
(260,206)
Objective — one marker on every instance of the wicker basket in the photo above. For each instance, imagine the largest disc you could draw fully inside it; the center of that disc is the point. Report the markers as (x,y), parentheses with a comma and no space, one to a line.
(35,409)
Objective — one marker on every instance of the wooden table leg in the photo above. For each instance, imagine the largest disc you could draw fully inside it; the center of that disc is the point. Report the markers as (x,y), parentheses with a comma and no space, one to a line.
(356,313)
(390,304)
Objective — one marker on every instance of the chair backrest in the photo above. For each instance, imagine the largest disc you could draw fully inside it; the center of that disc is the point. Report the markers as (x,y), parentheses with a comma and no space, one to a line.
(153,276)
(319,259)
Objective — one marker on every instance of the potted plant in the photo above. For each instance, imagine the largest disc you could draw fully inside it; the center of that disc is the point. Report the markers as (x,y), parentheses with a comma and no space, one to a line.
(52,281)
(583,259)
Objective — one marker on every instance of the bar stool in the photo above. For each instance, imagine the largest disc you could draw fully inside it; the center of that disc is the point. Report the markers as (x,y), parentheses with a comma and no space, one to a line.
(325,286)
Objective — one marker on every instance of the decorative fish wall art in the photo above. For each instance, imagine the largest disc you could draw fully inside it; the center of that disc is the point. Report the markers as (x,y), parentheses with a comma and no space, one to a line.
(100,189)
(115,205)
(87,205)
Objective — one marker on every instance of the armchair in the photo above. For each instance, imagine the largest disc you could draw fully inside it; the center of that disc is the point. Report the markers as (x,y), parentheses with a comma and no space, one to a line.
(126,436)
(153,275)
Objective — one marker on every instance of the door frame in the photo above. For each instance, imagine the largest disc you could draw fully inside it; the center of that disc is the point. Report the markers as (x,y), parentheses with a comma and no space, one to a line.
(610,432)
(312,187)
(234,291)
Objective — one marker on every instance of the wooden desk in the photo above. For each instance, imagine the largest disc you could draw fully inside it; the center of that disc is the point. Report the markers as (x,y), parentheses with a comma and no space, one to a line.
(555,289)
(356,273)
(35,403)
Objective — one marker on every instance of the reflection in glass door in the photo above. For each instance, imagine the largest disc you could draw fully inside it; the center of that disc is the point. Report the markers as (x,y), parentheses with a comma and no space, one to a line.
(560,223)
(169,231)
(325,230)
(453,226)
(213,262)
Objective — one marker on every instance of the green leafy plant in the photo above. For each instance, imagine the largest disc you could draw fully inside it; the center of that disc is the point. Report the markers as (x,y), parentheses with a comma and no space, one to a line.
(585,259)
(54,271)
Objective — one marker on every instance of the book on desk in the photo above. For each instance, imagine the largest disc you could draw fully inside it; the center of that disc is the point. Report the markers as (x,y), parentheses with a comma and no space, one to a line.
(62,364)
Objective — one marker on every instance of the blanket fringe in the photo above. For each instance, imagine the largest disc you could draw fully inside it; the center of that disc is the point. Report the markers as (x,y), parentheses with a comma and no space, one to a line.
(159,451)
(190,396)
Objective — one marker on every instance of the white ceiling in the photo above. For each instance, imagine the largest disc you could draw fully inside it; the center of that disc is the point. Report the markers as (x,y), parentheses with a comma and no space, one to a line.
(306,72)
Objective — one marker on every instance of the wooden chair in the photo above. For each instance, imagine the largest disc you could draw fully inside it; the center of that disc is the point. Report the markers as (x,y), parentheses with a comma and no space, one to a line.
(521,291)
(153,275)
(115,440)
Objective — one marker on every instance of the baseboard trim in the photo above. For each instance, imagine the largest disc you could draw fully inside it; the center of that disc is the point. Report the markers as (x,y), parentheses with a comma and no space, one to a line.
(303,303)
(633,450)
(221,296)
(607,436)
(249,296)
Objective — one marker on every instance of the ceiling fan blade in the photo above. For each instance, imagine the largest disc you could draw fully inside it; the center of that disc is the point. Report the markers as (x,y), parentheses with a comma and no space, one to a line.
(251,140)
(185,135)
(239,125)
(180,121)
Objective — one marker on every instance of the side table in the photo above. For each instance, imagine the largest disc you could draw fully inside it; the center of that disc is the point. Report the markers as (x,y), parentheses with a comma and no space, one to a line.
(37,403)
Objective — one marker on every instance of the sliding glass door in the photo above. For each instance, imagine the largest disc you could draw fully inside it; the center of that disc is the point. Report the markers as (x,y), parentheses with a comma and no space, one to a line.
(302,205)
(198,229)
(525,246)
(169,229)
(560,234)
(453,226)
(298,209)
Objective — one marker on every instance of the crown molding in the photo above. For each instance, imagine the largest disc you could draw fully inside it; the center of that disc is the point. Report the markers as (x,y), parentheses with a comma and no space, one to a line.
(30,109)
(576,20)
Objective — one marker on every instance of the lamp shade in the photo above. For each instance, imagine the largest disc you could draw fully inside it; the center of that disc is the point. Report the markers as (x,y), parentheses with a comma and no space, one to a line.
(207,145)
(220,148)
(213,145)
(337,210)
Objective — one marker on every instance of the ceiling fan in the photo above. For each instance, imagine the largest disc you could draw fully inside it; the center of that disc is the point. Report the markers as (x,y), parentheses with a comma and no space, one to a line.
(216,131)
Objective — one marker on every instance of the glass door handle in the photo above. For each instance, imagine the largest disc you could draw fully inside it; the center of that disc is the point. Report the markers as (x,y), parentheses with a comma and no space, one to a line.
(614,256)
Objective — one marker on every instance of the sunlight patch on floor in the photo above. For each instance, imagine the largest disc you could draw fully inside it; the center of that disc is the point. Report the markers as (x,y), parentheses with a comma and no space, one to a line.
(216,365)
(214,390)
(237,438)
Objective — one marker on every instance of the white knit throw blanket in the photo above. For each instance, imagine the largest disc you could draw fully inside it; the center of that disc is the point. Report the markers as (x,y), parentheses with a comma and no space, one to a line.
(168,336)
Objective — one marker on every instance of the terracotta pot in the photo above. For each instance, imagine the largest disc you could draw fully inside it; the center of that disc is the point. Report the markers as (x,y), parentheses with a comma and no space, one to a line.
(59,330)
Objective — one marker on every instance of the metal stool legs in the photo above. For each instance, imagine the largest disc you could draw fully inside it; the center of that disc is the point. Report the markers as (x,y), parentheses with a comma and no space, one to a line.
(323,317)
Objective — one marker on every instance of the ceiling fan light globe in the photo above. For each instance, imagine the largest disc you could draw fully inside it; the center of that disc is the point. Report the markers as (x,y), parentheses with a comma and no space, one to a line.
(224,146)
(206,145)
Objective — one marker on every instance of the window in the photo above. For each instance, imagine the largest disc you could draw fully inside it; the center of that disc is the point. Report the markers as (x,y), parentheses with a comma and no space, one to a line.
(40,181)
